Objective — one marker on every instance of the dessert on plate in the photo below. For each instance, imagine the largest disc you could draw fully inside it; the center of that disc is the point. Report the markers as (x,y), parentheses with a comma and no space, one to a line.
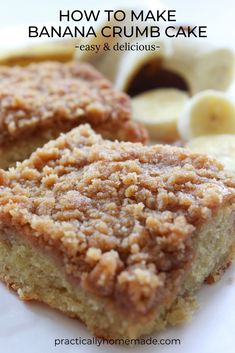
(117,234)
(39,101)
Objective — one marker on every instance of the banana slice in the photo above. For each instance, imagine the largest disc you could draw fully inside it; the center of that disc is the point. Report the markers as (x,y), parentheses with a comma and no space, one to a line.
(55,50)
(221,147)
(158,110)
(203,66)
(196,66)
(207,113)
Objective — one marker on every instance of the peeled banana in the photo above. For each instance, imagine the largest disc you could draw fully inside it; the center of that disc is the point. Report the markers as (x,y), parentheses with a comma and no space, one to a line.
(158,111)
(207,113)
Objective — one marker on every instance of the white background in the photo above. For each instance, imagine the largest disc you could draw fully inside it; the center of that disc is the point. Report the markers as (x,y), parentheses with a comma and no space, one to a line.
(33,327)
(217,14)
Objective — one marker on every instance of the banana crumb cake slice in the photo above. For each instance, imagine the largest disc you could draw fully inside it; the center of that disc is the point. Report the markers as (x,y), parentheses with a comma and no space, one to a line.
(39,101)
(117,234)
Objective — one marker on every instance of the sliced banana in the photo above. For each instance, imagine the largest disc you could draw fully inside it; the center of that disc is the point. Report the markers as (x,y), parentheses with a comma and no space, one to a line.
(203,66)
(198,66)
(207,113)
(221,147)
(158,110)
(62,50)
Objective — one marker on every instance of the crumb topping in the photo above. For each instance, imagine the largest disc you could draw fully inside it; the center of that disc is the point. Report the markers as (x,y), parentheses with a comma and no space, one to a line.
(62,95)
(121,215)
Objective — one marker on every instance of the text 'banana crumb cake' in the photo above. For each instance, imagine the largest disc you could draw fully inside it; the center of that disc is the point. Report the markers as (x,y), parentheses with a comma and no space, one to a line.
(115,233)
(39,101)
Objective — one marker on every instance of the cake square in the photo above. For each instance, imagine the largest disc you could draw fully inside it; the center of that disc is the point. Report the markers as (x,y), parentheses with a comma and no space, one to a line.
(41,100)
(99,229)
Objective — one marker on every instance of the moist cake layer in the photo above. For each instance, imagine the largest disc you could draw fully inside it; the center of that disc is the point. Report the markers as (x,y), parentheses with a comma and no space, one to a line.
(59,96)
(124,220)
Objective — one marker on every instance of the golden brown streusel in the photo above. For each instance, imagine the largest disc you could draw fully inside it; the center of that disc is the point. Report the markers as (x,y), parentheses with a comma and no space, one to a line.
(120,215)
(61,96)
